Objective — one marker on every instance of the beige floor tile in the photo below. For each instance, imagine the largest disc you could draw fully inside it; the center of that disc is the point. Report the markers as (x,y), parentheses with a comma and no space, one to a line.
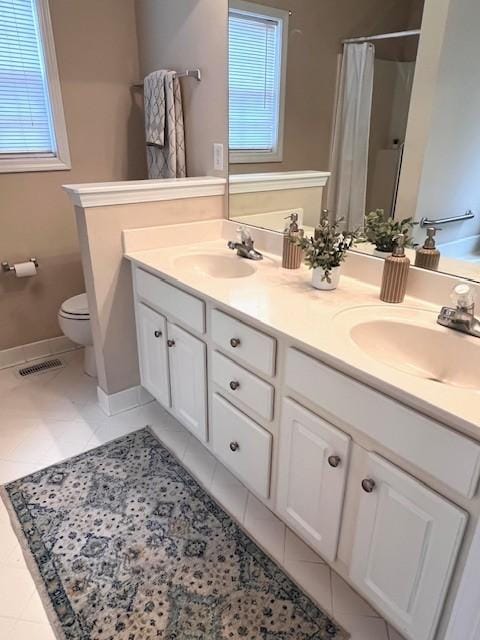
(231,497)
(256,510)
(270,534)
(23,630)
(16,588)
(34,610)
(6,628)
(347,601)
(364,628)
(314,579)
(296,549)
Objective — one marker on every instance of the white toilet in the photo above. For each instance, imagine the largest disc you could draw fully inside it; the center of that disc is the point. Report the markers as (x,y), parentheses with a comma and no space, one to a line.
(74,321)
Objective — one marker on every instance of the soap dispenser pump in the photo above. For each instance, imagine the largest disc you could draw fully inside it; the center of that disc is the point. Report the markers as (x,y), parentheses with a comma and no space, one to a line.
(395,273)
(292,253)
(428,256)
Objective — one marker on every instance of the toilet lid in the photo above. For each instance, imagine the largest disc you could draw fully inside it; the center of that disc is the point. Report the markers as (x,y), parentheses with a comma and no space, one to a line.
(76,306)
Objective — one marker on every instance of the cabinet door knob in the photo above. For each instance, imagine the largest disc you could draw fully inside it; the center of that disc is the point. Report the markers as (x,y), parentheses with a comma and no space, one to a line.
(157,334)
(171,343)
(334,461)
(234,446)
(368,485)
(235,342)
(234,384)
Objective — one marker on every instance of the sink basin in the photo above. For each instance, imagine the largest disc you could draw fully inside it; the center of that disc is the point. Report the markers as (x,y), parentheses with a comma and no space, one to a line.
(409,340)
(216,266)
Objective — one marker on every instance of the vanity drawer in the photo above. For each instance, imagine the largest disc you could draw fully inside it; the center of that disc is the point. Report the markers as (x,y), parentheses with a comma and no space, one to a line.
(242,445)
(437,450)
(188,309)
(246,387)
(244,343)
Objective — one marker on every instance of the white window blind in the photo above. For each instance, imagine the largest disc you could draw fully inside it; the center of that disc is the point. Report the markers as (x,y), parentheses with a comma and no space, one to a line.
(25,119)
(255,79)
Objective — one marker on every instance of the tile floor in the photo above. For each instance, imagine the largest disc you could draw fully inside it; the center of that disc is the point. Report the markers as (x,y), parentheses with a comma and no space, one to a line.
(49,417)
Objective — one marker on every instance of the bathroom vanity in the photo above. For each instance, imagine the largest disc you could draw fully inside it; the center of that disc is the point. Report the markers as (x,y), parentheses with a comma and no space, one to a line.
(297,394)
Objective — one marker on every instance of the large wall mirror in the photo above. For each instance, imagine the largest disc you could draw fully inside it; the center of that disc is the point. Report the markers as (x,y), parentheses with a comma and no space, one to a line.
(365,108)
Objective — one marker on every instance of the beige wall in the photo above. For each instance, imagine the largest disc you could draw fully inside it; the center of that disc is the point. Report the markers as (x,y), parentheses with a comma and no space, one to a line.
(316,30)
(96,48)
(108,277)
(191,34)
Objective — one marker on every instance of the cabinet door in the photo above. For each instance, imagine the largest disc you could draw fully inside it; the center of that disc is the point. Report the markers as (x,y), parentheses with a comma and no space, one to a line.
(406,543)
(152,353)
(188,380)
(313,463)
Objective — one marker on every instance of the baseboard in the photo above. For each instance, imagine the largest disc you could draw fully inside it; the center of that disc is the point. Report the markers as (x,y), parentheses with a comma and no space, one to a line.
(114,403)
(35,351)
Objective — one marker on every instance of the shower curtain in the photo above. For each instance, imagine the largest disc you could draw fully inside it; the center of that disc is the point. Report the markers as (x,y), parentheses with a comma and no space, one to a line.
(347,187)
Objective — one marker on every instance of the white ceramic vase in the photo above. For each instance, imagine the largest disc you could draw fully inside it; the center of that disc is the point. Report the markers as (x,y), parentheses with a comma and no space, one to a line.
(319,281)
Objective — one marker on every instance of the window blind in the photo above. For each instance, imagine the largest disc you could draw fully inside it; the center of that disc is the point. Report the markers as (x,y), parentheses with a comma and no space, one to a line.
(254,82)
(25,120)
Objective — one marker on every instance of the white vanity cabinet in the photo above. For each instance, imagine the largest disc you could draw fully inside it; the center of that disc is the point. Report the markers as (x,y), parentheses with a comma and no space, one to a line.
(152,353)
(307,439)
(188,380)
(406,543)
(313,463)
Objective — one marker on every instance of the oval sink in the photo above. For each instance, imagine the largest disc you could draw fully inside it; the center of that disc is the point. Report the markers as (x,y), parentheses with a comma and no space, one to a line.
(216,266)
(409,340)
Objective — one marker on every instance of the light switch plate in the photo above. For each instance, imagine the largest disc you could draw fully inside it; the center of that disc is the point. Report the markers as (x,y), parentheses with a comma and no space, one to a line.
(218,156)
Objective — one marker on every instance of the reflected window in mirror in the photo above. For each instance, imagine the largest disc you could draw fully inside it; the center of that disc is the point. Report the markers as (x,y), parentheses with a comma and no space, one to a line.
(257,76)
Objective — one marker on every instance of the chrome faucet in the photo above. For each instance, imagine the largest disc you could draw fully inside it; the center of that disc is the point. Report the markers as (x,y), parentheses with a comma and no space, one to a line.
(462,316)
(245,247)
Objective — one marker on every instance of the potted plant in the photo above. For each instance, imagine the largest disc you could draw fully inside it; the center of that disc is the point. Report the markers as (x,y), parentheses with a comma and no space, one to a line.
(381,230)
(325,252)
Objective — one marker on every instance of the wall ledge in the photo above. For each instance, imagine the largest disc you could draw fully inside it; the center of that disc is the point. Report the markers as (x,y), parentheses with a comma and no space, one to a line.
(100,194)
(277,181)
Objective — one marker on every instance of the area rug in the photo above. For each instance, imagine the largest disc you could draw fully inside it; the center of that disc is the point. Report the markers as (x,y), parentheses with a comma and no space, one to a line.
(125,545)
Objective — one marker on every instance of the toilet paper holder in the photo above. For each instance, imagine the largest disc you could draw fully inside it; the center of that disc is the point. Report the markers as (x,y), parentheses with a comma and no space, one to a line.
(7,267)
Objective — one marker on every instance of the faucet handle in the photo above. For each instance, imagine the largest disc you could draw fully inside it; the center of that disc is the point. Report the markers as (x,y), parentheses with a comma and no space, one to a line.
(463,296)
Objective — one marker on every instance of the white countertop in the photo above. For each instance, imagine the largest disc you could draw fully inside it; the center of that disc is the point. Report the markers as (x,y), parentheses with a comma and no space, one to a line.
(282,301)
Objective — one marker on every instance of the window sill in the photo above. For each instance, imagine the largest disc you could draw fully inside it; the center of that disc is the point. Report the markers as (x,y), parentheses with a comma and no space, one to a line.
(23,165)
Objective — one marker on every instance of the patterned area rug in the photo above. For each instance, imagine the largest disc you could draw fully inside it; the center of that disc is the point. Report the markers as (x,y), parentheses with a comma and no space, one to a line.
(125,545)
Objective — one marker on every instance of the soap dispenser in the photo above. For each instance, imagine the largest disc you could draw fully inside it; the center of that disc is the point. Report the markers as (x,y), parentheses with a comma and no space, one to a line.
(395,273)
(292,253)
(428,256)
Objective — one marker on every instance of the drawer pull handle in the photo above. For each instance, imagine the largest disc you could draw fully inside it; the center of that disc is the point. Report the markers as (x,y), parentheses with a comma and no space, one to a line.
(368,485)
(334,461)
(234,446)
(157,334)
(171,343)
(235,342)
(234,384)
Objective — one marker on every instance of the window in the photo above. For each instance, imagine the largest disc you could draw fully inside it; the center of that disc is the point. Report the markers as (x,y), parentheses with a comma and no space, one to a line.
(32,124)
(257,72)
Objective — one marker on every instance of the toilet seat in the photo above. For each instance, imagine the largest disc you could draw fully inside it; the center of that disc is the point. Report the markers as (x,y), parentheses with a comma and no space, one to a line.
(75,308)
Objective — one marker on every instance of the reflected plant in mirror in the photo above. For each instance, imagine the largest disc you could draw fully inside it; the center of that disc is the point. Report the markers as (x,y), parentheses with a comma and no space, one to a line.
(381,230)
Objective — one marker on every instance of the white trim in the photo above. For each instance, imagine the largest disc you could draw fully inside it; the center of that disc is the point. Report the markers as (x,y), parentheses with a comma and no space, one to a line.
(276,181)
(123,400)
(35,350)
(99,194)
(60,159)
(250,156)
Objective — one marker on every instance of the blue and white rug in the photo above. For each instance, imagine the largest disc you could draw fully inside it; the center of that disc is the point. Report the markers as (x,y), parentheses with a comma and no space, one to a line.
(125,545)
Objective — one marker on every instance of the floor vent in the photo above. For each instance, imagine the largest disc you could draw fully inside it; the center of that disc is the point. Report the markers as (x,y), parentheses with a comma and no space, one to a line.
(40,367)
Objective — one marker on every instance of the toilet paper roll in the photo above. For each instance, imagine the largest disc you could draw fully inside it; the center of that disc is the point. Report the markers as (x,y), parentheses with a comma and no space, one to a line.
(25,269)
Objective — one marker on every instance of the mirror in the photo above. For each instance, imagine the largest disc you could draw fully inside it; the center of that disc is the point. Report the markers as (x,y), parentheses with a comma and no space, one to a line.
(352,106)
